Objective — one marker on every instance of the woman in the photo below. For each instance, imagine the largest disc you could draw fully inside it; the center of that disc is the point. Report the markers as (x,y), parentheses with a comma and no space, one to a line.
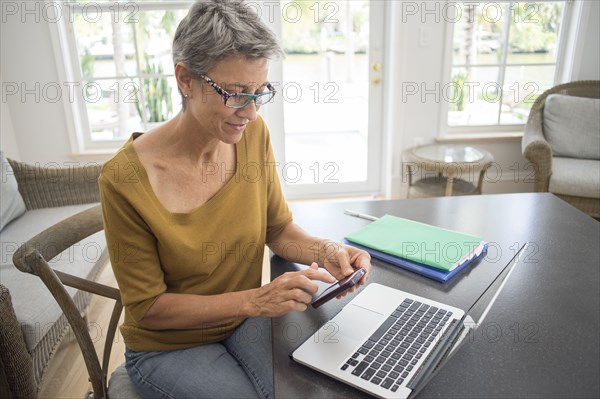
(188,208)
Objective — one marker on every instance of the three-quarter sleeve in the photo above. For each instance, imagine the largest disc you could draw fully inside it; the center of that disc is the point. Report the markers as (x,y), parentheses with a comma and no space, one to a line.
(133,251)
(278,212)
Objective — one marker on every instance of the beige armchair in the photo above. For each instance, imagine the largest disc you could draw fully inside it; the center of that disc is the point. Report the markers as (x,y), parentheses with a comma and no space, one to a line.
(564,148)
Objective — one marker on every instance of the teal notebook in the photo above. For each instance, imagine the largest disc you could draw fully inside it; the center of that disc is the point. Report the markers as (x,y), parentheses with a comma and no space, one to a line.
(418,242)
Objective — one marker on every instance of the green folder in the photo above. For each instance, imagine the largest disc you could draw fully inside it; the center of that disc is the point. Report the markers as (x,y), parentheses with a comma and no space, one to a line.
(418,242)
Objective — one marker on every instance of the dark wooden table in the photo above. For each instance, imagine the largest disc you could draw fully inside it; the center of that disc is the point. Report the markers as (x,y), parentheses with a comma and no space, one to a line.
(541,335)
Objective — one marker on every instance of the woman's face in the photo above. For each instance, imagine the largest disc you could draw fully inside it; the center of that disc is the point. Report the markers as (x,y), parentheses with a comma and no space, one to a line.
(205,105)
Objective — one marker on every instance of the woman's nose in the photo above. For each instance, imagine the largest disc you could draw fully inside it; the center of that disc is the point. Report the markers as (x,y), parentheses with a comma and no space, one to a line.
(249,111)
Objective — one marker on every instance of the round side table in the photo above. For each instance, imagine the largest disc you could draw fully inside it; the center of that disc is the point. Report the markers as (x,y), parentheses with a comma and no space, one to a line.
(438,170)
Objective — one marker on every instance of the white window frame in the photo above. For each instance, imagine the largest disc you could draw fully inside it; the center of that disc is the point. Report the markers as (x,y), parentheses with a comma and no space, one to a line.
(76,114)
(67,62)
(566,34)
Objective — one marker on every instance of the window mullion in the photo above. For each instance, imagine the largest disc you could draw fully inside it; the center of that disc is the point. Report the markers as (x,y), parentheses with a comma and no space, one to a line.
(562,40)
(142,97)
(64,43)
(502,66)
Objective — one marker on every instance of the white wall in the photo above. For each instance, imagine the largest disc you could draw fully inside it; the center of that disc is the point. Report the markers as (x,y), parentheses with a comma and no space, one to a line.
(39,124)
(28,67)
(590,65)
(8,142)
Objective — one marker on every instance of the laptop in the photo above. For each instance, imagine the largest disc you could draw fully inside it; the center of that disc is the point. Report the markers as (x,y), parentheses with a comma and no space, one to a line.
(387,342)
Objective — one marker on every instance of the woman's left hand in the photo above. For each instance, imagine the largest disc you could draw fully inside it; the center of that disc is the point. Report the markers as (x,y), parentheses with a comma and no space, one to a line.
(342,260)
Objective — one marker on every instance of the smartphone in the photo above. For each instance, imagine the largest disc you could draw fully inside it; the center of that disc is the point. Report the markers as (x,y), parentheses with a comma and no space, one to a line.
(336,289)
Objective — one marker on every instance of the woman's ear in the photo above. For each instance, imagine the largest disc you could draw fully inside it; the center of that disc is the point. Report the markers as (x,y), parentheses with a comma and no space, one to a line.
(184,79)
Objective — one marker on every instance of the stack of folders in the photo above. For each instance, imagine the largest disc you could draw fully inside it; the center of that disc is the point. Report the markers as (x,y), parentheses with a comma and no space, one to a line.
(428,250)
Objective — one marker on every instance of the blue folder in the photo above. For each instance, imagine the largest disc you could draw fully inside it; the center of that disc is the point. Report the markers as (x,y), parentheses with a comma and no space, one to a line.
(419,268)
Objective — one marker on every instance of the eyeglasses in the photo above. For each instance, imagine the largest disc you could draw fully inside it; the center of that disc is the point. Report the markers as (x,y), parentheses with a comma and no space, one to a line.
(240,100)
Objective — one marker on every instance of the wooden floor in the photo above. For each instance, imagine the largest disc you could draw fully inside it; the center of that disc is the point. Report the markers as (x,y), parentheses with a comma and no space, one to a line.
(66,376)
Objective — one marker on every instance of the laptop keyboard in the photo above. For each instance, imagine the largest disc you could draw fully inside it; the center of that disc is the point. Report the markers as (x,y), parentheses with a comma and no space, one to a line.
(398,345)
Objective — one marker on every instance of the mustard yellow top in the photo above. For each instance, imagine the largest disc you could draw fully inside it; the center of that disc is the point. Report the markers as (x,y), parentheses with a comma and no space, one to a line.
(216,248)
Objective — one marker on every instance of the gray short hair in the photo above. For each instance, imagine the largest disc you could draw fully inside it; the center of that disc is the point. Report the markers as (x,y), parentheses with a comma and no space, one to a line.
(215,30)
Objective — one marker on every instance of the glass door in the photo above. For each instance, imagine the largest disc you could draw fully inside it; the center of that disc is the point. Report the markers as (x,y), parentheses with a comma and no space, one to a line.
(326,124)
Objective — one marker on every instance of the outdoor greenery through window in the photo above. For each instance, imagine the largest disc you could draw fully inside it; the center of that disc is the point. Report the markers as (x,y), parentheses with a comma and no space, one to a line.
(123,49)
(326,77)
(124,52)
(504,56)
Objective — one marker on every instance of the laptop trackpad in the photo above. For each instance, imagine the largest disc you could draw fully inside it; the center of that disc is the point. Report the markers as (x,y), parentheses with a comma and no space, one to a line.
(356,322)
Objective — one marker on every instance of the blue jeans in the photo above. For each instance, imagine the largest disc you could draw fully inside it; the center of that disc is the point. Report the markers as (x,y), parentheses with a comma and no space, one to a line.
(240,366)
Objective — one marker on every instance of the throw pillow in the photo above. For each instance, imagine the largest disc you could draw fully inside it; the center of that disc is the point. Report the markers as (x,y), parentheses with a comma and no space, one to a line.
(11,202)
(572,126)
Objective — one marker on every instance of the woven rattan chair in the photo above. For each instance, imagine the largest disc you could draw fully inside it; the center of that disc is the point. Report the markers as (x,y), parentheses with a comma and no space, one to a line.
(40,187)
(16,366)
(538,150)
(33,257)
(47,187)
(21,371)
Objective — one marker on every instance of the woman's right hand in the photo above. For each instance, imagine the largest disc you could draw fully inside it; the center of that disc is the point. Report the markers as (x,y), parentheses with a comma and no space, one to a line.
(290,291)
